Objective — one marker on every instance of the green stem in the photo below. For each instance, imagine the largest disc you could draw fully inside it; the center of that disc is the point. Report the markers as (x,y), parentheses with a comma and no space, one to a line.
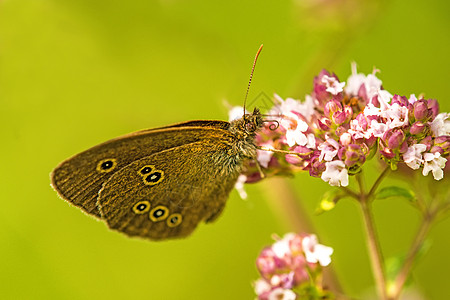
(373,244)
(376,257)
(377,183)
(397,287)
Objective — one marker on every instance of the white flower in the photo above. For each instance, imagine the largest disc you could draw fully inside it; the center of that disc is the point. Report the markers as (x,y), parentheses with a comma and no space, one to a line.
(282,294)
(335,173)
(315,252)
(345,138)
(307,107)
(377,129)
(384,97)
(311,144)
(370,82)
(285,107)
(261,286)
(328,149)
(295,129)
(282,248)
(239,186)
(434,163)
(354,82)
(396,116)
(413,156)
(371,110)
(440,125)
(235,113)
(358,131)
(264,156)
(333,85)
(412,99)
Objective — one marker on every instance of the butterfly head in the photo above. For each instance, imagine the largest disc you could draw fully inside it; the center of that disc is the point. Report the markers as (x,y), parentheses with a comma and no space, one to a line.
(247,126)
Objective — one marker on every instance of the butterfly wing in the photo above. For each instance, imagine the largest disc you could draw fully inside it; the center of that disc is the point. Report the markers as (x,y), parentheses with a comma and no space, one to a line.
(79,178)
(167,194)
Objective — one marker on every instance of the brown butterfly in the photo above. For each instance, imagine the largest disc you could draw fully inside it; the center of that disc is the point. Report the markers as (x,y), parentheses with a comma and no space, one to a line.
(160,183)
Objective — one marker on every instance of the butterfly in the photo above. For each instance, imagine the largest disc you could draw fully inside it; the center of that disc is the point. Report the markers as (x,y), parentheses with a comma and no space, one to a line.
(161,183)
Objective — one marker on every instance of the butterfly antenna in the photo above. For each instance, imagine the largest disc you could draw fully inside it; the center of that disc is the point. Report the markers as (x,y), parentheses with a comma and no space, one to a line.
(251,75)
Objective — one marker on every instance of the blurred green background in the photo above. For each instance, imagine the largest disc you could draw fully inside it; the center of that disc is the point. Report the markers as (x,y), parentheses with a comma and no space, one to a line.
(76,73)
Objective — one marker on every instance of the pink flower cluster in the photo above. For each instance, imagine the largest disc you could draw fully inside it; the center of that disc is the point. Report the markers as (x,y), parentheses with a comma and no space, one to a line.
(289,263)
(341,125)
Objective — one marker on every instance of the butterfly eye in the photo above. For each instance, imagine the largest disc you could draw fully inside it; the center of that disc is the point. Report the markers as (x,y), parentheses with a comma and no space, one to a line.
(154,177)
(141,207)
(106,165)
(145,170)
(250,127)
(159,213)
(174,220)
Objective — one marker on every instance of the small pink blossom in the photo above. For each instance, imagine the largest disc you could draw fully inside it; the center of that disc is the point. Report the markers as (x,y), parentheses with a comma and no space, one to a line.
(316,252)
(413,156)
(395,115)
(262,286)
(329,149)
(333,85)
(264,156)
(282,294)
(282,248)
(441,124)
(295,131)
(434,163)
(335,173)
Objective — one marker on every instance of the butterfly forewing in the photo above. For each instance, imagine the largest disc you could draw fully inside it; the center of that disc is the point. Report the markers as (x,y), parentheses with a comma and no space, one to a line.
(80,178)
(166,194)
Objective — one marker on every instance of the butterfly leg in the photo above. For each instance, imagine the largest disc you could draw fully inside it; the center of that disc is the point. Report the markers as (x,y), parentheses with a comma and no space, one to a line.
(258,166)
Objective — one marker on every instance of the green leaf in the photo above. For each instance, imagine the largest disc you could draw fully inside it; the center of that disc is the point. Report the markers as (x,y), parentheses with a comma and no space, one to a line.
(395,191)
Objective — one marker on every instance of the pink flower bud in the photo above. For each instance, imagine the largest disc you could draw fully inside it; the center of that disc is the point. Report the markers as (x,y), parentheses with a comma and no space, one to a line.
(339,117)
(401,100)
(418,128)
(331,107)
(427,141)
(396,139)
(435,149)
(388,153)
(403,147)
(315,166)
(324,124)
(421,110)
(443,142)
(375,101)
(352,155)
(345,139)
(434,106)
(348,113)
(266,262)
(320,89)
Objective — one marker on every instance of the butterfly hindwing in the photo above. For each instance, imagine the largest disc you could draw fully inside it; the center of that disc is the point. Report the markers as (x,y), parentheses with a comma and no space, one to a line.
(167,194)
(79,178)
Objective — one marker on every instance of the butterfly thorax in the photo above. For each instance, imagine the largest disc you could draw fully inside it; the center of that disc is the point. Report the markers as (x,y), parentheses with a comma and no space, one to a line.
(244,130)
